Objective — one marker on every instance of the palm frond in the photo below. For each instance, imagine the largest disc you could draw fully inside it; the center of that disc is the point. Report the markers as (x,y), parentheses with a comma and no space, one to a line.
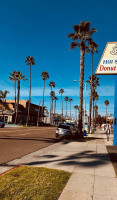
(73,45)
(76,28)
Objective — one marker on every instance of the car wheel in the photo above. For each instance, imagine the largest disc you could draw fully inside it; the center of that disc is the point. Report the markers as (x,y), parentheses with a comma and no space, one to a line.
(2,126)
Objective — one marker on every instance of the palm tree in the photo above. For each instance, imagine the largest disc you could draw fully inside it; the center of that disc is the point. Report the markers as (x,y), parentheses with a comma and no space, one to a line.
(3,96)
(106,104)
(93,48)
(19,76)
(61,91)
(70,100)
(95,97)
(66,99)
(51,85)
(56,99)
(44,76)
(29,61)
(76,107)
(52,94)
(14,78)
(80,38)
(94,82)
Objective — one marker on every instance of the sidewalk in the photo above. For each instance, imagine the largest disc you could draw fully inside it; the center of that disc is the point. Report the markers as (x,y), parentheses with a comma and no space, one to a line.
(93,176)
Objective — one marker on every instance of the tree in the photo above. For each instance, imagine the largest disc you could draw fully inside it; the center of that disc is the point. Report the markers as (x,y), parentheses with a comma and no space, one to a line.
(94,82)
(93,48)
(61,91)
(95,97)
(14,78)
(19,76)
(51,85)
(52,94)
(44,76)
(56,99)
(3,96)
(66,99)
(106,104)
(29,61)
(80,38)
(70,100)
(76,107)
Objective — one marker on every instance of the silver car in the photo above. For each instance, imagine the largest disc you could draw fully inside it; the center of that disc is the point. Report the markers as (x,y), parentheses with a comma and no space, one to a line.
(64,131)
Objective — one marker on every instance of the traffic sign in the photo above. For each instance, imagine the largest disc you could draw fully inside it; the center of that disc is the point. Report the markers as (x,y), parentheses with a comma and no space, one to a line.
(108,61)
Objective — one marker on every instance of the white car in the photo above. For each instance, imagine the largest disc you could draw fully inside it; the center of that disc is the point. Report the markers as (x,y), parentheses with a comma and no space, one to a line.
(64,131)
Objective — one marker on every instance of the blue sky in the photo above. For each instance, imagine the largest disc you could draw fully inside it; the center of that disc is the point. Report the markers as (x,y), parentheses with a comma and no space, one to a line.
(39,28)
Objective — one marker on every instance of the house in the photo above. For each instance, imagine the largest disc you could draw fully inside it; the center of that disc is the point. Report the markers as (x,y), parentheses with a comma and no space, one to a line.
(7,111)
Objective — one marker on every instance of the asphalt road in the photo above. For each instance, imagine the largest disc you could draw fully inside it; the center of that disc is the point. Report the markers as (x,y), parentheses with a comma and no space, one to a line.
(17,142)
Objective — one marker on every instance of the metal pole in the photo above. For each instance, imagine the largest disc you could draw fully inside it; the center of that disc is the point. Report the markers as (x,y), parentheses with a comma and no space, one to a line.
(115,113)
(85,104)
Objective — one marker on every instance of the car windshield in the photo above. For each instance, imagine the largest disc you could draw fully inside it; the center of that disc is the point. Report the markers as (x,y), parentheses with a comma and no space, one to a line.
(64,127)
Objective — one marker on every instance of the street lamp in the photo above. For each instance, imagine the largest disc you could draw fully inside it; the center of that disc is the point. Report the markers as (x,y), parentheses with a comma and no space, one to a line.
(84,103)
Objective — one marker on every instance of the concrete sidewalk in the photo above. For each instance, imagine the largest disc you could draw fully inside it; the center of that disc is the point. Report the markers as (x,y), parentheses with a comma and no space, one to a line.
(93,176)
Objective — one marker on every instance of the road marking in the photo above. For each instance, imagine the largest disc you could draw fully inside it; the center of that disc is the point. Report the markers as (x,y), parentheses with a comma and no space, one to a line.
(4,131)
(25,133)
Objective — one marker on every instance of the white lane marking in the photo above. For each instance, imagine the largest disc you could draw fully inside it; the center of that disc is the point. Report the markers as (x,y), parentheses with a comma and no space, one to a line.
(25,133)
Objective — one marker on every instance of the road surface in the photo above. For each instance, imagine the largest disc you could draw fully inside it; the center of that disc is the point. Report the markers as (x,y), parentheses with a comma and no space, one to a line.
(16,142)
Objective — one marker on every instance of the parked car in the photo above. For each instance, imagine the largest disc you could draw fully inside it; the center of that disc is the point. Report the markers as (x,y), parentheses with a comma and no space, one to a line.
(2,123)
(74,127)
(64,131)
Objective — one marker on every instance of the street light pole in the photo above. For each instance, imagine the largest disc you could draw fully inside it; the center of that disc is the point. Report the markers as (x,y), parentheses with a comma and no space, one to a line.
(85,104)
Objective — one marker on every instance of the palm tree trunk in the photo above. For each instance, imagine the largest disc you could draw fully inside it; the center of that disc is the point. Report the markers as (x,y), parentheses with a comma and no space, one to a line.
(18,96)
(62,108)
(55,107)
(90,103)
(52,110)
(28,116)
(43,101)
(66,109)
(106,114)
(93,118)
(15,93)
(70,111)
(82,55)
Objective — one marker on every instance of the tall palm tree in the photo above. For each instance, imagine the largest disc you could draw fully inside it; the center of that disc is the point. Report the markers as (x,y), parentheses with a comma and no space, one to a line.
(44,76)
(94,82)
(106,104)
(3,96)
(80,38)
(66,99)
(96,113)
(52,94)
(76,107)
(93,48)
(56,99)
(19,77)
(61,91)
(29,61)
(51,85)
(14,78)
(70,100)
(95,96)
